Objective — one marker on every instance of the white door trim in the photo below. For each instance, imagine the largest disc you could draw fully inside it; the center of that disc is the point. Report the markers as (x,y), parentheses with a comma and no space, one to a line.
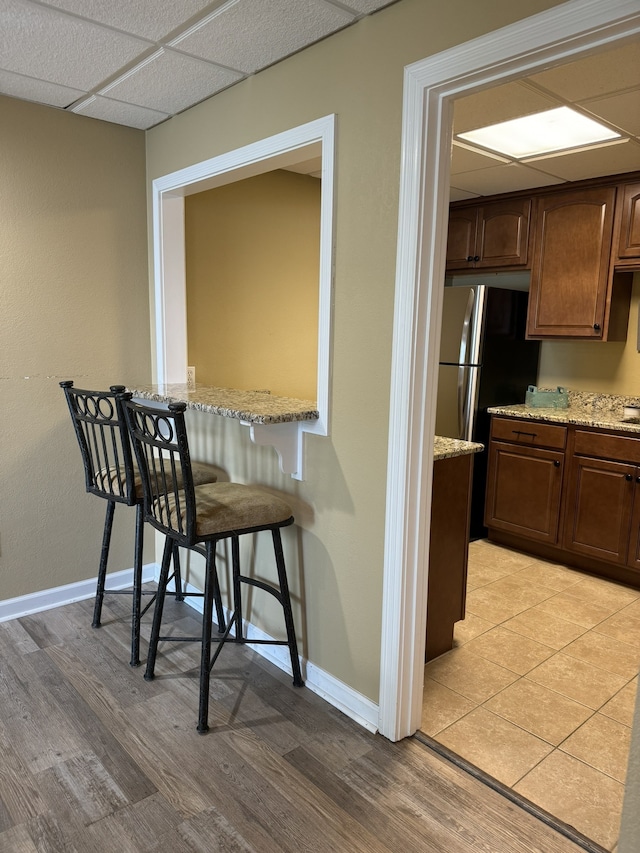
(560,34)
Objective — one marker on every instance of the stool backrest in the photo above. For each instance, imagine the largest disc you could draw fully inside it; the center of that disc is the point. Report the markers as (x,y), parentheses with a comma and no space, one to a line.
(159,438)
(102,434)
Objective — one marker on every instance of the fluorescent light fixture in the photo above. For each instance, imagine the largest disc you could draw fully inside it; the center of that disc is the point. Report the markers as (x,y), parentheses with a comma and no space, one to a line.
(541,133)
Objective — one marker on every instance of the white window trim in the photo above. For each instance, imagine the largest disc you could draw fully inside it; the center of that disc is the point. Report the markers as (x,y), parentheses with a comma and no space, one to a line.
(563,33)
(168,194)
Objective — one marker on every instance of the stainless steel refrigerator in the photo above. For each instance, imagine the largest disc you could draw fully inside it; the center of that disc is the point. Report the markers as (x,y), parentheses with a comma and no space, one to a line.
(484,361)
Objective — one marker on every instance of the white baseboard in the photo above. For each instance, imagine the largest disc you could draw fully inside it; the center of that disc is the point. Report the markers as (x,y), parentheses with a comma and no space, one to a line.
(356,706)
(35,602)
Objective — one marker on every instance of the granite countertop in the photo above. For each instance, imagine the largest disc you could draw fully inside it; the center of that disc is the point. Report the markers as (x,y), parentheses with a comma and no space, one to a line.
(446,448)
(256,407)
(585,409)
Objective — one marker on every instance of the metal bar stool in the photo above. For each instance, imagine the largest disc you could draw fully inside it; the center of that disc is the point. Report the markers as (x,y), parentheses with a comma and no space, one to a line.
(198,517)
(110,473)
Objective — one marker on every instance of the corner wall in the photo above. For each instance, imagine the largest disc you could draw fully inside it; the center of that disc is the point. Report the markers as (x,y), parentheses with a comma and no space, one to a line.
(75,306)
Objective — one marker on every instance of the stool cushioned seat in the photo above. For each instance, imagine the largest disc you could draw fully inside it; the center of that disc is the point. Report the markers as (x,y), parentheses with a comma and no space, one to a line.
(115,479)
(223,508)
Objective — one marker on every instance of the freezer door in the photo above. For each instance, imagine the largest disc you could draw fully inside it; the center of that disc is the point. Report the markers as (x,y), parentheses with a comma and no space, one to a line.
(459,340)
(457,401)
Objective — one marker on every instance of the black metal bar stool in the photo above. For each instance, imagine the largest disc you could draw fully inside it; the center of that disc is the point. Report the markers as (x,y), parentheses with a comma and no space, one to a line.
(110,473)
(198,517)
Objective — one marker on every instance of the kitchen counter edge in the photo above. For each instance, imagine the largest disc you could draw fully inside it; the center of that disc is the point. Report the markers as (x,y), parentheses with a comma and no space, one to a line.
(447,448)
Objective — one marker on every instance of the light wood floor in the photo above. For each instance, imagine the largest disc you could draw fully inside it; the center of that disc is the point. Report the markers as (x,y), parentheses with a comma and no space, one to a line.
(540,687)
(94,758)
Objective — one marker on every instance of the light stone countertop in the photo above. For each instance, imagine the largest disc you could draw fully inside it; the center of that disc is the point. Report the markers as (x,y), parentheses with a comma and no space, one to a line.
(585,409)
(256,407)
(446,448)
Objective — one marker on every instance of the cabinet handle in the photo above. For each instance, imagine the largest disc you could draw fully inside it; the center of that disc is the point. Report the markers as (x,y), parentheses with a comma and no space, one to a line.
(520,432)
(476,257)
(556,463)
(596,326)
(628,477)
(469,258)
(637,479)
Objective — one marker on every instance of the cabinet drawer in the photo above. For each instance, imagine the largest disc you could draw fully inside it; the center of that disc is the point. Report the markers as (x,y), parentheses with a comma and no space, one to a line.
(531,433)
(616,447)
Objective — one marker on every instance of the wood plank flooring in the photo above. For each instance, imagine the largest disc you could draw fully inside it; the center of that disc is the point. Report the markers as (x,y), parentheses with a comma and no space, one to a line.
(94,758)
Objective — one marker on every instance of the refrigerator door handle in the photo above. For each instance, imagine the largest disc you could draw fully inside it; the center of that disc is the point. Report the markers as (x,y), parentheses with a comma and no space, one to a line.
(466,329)
(463,388)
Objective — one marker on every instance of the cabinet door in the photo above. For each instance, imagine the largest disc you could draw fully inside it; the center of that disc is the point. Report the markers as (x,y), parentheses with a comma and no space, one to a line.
(503,233)
(570,264)
(629,239)
(461,238)
(633,559)
(598,508)
(523,491)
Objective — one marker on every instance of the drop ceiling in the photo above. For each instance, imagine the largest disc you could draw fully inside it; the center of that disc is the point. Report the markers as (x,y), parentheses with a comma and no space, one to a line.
(604,86)
(139,62)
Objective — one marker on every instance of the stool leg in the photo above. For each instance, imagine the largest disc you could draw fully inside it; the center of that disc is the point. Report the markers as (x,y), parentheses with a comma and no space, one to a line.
(177,576)
(210,587)
(286,606)
(137,587)
(157,613)
(237,588)
(102,570)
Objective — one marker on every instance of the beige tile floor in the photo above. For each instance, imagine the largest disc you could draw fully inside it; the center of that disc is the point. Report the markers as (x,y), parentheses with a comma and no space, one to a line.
(540,686)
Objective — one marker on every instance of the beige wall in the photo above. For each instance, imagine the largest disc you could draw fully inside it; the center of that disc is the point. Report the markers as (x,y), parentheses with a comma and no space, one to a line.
(357,74)
(73,285)
(611,368)
(252,267)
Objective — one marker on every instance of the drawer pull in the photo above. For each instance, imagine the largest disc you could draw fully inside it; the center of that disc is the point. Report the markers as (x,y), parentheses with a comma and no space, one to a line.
(520,432)
(556,463)
(628,477)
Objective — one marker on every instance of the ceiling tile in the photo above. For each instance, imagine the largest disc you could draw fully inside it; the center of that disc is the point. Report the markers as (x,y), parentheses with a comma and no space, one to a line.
(41,42)
(107,109)
(599,74)
(621,110)
(18,86)
(623,157)
(502,179)
(464,159)
(365,7)
(170,82)
(501,103)
(251,34)
(456,194)
(147,18)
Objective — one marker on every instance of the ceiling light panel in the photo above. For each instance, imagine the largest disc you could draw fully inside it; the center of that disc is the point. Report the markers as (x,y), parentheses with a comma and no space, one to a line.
(170,82)
(39,42)
(251,34)
(533,135)
(147,18)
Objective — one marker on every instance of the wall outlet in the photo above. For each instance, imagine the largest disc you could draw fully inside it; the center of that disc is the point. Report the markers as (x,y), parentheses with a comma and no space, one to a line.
(191,377)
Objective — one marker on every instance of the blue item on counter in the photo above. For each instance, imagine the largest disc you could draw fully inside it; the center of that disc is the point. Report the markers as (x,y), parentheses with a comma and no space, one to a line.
(547,399)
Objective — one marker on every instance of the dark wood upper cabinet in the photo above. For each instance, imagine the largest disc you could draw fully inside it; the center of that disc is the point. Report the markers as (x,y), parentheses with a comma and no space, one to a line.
(570,269)
(491,235)
(628,242)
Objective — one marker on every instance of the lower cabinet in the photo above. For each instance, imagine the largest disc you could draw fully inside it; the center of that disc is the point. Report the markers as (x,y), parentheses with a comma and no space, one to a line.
(599,502)
(579,505)
(523,490)
(448,551)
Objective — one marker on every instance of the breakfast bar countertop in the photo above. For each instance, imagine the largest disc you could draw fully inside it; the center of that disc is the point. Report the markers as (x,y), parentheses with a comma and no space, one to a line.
(447,448)
(254,407)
